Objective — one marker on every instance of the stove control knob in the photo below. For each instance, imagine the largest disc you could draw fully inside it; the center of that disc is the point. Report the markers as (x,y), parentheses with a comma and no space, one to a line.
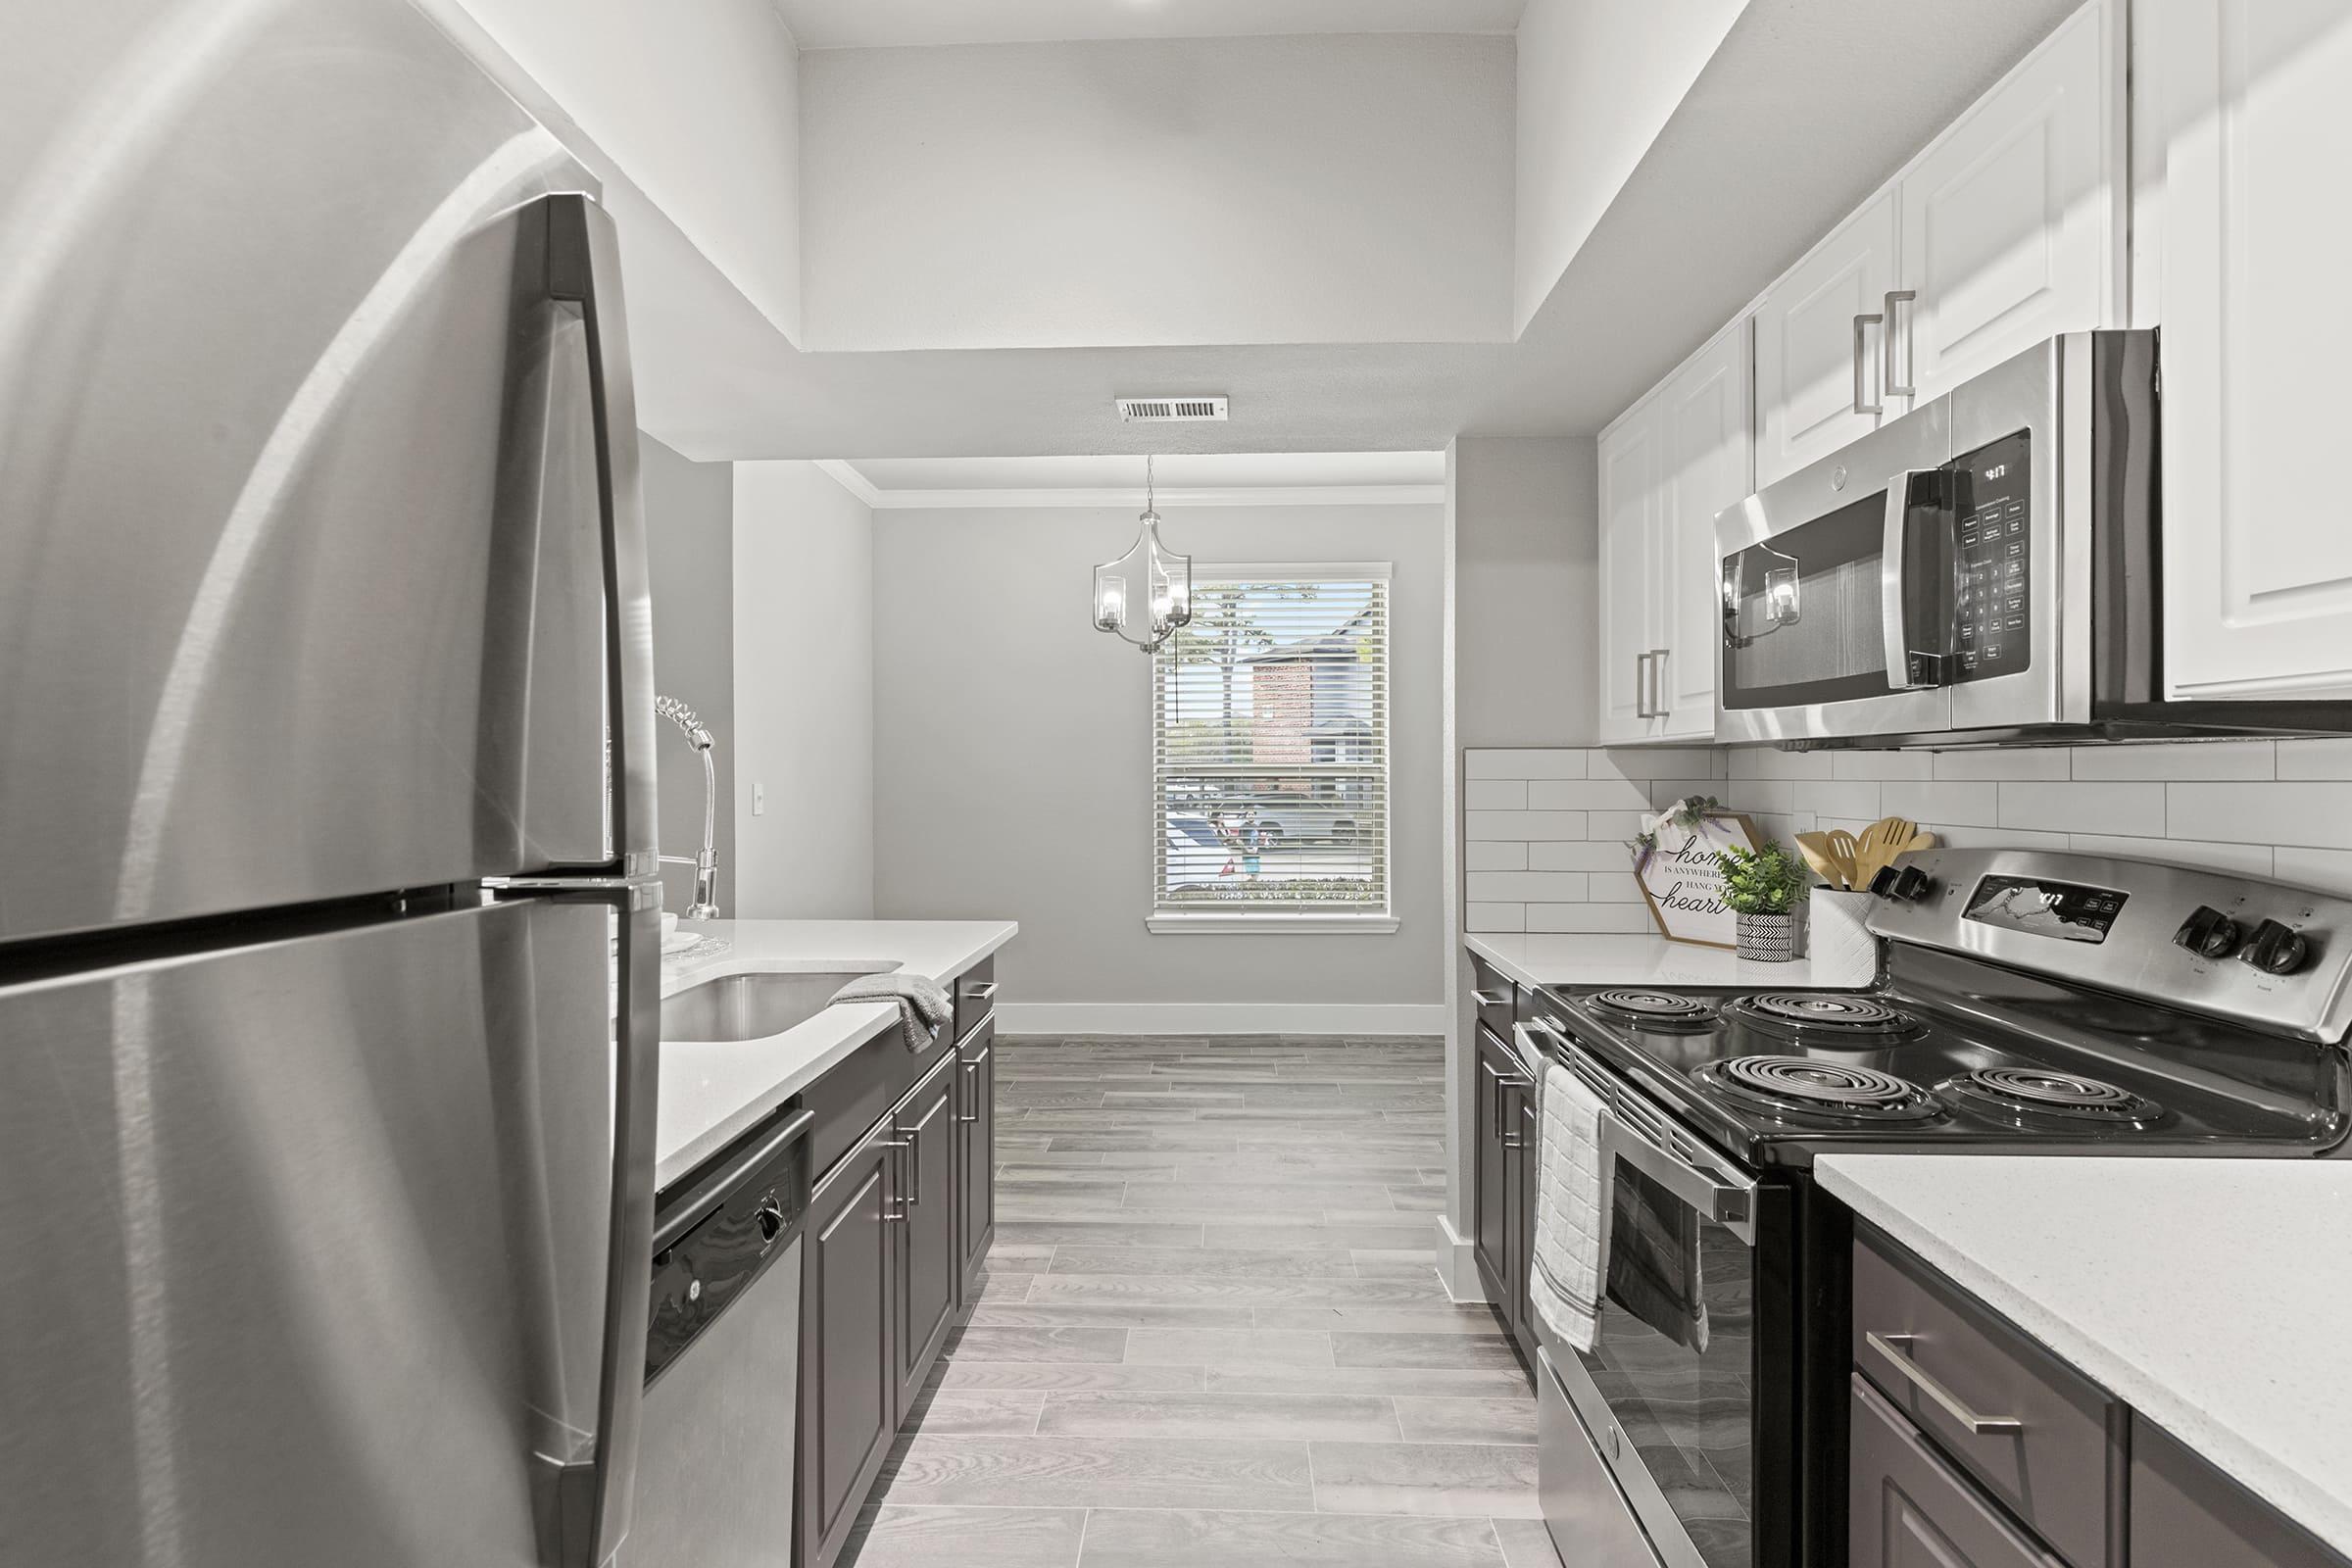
(1883,883)
(2208,933)
(1911,884)
(2275,949)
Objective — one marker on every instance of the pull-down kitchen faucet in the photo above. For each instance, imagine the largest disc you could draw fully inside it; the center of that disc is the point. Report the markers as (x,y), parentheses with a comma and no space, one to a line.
(706,864)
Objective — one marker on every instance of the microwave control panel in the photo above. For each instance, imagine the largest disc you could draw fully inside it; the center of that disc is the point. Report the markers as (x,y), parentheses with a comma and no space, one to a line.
(1992,620)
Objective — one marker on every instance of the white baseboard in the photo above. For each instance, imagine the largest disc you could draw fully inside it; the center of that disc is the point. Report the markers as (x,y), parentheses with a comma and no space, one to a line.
(1220,1019)
(1458,1265)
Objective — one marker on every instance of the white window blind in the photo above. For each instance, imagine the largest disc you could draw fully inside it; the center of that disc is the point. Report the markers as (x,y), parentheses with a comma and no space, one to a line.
(1270,752)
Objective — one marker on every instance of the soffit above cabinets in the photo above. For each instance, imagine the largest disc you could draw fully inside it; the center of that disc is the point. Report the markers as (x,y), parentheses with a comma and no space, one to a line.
(885,24)
(1258,478)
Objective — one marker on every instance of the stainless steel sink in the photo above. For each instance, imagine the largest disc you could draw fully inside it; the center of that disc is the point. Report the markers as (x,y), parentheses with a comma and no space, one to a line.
(749,1007)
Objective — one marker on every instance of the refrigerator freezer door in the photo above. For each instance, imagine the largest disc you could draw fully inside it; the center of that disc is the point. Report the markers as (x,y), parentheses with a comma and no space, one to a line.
(308,1247)
(302,586)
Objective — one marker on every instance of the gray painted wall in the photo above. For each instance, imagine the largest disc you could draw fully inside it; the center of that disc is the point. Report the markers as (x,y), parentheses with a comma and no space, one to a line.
(1526,530)
(690,532)
(1012,752)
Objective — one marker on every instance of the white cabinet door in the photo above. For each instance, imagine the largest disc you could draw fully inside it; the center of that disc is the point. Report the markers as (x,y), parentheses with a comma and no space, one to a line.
(2257,540)
(1628,519)
(1706,451)
(1817,352)
(2011,229)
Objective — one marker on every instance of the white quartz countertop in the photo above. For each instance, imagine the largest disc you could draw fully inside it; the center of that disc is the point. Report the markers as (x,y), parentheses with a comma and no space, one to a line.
(2206,1294)
(713,1091)
(1618,959)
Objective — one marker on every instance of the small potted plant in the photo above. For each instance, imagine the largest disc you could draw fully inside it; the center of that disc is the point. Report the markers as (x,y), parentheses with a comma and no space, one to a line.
(1762,887)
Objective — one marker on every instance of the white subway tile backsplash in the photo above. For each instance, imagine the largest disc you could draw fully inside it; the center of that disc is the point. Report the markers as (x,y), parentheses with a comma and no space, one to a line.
(1494,795)
(1502,887)
(1588,795)
(2029,762)
(1494,854)
(1546,830)
(1856,798)
(2327,758)
(2310,813)
(1763,761)
(2134,809)
(1939,803)
(1525,826)
(1883,764)
(1657,762)
(1587,855)
(1509,762)
(2201,760)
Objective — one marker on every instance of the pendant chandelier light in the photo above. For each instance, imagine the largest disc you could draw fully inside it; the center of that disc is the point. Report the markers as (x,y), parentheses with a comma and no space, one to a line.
(1147,593)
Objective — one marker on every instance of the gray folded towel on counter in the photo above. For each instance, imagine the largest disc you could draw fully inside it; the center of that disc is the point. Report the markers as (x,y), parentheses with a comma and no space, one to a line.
(924,1006)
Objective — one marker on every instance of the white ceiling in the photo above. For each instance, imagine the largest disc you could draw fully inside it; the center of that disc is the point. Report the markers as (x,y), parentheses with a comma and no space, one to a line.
(1177,471)
(872,24)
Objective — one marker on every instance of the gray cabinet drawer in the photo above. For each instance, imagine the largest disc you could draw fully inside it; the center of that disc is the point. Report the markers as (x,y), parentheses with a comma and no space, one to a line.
(975,995)
(1491,993)
(2186,1514)
(1909,1508)
(2052,1461)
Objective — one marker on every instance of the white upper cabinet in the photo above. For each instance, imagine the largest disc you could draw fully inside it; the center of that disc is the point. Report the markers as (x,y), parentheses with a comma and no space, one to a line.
(1667,466)
(1820,337)
(1708,462)
(2011,230)
(1629,512)
(2257,545)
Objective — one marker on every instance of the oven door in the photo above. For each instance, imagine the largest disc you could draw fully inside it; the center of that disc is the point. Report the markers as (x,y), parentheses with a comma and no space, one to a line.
(1837,593)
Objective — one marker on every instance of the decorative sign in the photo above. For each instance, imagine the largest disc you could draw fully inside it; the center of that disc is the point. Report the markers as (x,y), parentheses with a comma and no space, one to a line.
(1682,883)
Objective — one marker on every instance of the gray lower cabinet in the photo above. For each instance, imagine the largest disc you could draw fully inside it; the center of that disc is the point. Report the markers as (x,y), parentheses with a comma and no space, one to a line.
(2187,1514)
(1493,1171)
(896,1227)
(1520,1174)
(849,1364)
(1909,1508)
(930,1277)
(975,1145)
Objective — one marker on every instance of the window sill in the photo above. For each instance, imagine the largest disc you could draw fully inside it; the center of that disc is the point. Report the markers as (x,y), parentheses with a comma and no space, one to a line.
(1272,925)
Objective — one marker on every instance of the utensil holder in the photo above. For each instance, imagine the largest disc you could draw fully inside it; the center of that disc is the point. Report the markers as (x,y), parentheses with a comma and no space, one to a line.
(1843,949)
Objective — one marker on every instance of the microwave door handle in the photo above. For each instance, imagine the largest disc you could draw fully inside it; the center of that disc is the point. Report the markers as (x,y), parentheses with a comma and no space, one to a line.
(1893,564)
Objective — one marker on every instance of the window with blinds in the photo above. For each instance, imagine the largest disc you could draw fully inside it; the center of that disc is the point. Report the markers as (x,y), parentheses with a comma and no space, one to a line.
(1270,749)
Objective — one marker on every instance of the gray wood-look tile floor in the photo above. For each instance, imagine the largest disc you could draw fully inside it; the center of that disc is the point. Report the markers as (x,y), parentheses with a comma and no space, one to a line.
(1213,1332)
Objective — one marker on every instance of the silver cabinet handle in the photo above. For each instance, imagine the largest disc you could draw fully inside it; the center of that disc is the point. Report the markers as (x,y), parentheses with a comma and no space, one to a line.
(985,991)
(1641,687)
(1886,1344)
(1862,327)
(894,1143)
(1657,683)
(1487,999)
(972,1072)
(1890,387)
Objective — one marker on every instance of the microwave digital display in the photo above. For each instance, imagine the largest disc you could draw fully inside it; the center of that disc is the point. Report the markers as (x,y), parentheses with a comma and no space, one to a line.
(1992,621)
(2067,911)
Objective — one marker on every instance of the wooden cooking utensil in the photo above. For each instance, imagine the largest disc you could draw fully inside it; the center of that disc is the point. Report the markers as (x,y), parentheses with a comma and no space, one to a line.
(1844,853)
(1814,847)
(1877,846)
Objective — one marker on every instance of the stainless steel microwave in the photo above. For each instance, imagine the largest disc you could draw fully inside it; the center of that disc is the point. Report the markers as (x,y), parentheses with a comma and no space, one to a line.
(1982,570)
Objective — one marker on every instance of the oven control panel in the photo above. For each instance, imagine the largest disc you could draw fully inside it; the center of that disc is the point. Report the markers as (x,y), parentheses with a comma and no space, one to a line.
(2263,953)
(1993,622)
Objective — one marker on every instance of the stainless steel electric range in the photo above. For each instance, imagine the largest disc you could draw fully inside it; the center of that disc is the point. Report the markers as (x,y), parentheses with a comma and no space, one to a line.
(2030,1002)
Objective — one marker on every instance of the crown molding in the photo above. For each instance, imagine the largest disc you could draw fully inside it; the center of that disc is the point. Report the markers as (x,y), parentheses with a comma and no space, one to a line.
(1131,497)
(850,479)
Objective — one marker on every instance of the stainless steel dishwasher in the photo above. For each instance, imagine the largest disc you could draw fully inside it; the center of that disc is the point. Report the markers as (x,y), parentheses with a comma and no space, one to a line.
(722,1356)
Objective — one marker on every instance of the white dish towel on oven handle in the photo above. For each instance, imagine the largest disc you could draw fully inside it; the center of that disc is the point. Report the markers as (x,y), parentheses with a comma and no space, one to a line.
(1572,1208)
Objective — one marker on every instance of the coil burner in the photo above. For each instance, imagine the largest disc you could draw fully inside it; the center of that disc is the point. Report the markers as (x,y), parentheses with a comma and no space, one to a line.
(1815,1016)
(1651,1009)
(2021,1096)
(1834,1090)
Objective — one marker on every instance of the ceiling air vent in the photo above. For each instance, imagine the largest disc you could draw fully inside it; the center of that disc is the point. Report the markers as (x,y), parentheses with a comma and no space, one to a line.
(1166,409)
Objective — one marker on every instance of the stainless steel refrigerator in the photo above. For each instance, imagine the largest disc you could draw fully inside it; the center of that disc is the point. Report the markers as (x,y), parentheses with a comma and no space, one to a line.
(329,960)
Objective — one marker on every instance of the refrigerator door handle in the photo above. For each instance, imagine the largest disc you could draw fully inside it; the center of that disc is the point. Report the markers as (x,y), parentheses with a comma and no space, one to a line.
(594,1498)
(583,266)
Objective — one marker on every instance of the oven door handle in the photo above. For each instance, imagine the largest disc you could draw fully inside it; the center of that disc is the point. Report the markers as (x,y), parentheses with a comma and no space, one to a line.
(1894,560)
(1725,1198)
